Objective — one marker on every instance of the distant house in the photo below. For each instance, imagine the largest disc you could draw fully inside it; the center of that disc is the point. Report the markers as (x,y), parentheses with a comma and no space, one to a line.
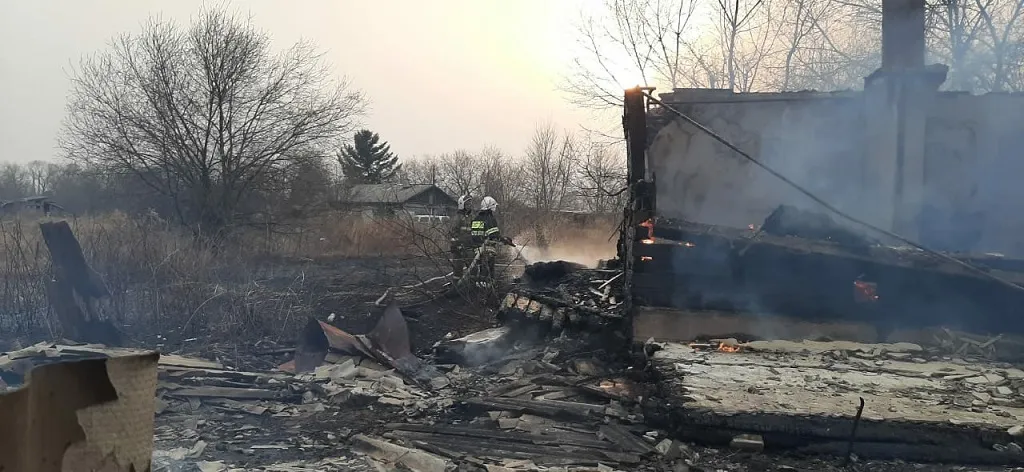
(40,203)
(418,200)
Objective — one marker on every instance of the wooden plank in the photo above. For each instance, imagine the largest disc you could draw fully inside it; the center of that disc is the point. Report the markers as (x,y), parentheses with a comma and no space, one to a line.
(624,439)
(566,438)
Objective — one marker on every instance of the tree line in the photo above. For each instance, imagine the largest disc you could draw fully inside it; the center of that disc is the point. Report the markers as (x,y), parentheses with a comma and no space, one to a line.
(208,125)
(558,170)
(783,45)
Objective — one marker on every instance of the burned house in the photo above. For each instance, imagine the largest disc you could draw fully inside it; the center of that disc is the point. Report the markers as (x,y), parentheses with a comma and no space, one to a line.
(936,167)
(416,200)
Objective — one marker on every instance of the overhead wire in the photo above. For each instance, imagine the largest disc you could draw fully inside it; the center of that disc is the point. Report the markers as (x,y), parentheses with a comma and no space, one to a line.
(828,206)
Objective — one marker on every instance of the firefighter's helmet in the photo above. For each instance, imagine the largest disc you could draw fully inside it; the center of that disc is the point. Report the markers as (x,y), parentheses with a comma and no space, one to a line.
(488,204)
(462,202)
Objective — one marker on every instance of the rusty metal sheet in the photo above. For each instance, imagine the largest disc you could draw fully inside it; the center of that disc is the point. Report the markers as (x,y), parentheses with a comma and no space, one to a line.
(90,415)
(316,340)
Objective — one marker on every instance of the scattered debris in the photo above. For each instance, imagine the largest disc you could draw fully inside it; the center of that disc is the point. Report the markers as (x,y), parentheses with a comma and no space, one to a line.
(387,343)
(477,348)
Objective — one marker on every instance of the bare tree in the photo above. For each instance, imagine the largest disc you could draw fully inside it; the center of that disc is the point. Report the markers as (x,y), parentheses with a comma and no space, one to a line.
(423,170)
(630,38)
(1001,19)
(501,178)
(206,115)
(458,173)
(549,168)
(601,178)
(735,18)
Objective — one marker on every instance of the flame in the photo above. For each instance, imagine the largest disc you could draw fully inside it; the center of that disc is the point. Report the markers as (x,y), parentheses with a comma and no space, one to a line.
(646,258)
(722,347)
(688,244)
(752,227)
(647,241)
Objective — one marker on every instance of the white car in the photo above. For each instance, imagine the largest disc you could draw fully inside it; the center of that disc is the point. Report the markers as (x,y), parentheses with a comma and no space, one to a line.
(431,219)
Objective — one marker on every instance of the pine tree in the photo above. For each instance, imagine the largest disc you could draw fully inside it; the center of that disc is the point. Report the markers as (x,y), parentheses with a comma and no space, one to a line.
(368,160)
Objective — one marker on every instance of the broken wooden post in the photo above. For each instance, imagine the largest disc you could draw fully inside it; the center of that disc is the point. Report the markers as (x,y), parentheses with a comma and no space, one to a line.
(75,288)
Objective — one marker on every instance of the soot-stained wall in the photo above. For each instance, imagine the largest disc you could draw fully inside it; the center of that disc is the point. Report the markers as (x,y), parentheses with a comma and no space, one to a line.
(811,138)
(974,162)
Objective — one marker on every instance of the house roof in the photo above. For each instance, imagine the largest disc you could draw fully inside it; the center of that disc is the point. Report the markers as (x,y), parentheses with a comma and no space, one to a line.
(388,193)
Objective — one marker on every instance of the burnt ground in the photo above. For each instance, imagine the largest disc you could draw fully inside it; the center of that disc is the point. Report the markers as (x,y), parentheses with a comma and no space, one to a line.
(348,287)
(313,434)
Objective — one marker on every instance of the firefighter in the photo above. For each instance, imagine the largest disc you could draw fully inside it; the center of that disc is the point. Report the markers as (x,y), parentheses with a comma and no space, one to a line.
(486,234)
(461,237)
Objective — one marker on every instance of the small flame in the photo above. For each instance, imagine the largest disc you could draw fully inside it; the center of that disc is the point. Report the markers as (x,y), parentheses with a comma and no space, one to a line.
(752,227)
(688,244)
(646,258)
(647,241)
(722,347)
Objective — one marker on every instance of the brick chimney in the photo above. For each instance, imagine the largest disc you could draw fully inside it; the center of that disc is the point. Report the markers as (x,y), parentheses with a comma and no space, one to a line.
(903,26)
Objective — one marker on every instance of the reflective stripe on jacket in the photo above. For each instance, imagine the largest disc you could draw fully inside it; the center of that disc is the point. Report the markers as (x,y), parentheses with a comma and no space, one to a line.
(484,227)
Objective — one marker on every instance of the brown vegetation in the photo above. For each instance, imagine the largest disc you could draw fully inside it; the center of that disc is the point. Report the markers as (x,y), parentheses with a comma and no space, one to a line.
(167,285)
(164,280)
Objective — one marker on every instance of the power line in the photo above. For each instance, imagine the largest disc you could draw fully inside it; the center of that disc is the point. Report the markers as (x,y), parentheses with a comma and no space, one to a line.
(827,205)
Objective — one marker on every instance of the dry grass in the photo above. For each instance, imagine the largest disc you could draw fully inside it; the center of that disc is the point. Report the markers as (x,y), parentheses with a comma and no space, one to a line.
(166,282)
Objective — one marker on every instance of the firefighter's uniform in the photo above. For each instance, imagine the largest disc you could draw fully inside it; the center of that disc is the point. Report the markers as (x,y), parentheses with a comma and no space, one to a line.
(486,234)
(461,242)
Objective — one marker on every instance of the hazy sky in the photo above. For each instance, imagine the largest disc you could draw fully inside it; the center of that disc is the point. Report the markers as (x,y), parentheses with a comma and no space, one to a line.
(441,74)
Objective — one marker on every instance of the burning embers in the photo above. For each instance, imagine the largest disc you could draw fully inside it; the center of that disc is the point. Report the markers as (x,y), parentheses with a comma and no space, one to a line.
(649,224)
(720,345)
(865,292)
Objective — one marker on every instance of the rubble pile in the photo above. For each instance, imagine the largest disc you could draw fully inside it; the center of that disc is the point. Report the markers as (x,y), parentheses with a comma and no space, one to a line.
(514,398)
(558,298)
(553,406)
(916,405)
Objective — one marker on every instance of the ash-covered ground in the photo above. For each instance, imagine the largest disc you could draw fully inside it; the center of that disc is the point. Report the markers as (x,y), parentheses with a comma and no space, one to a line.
(569,395)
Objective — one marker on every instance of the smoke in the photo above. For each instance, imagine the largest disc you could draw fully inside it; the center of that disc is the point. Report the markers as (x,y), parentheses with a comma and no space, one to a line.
(581,245)
(586,254)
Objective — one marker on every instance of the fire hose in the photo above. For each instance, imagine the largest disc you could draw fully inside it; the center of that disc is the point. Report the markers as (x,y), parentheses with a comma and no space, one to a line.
(476,258)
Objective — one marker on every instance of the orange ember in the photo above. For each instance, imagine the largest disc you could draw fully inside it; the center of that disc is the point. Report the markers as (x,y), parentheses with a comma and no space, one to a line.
(720,347)
(649,224)
(865,291)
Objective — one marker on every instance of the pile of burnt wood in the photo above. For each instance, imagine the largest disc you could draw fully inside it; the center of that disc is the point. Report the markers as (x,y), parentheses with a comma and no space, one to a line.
(805,265)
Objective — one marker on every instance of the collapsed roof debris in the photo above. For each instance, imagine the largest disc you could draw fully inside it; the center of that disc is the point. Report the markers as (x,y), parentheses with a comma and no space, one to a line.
(388,343)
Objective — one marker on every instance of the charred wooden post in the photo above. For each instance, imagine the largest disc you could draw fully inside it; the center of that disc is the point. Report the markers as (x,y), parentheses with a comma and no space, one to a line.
(641,201)
(76,289)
